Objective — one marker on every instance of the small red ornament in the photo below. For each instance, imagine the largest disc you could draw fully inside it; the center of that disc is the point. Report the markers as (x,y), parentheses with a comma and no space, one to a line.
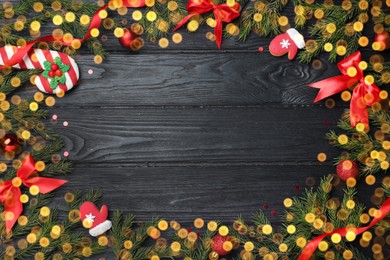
(127,39)
(51,73)
(347,169)
(381,41)
(9,143)
(217,244)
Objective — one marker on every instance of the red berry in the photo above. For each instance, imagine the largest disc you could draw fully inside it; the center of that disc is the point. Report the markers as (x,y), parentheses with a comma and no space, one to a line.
(347,169)
(51,74)
(58,73)
(54,67)
(217,244)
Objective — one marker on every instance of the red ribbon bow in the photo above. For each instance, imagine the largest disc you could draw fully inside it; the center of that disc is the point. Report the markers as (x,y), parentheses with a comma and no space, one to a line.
(311,247)
(10,190)
(222,13)
(363,94)
(95,23)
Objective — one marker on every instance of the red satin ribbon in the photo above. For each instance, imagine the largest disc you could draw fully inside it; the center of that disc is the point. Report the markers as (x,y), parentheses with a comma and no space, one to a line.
(311,247)
(10,194)
(222,13)
(95,24)
(363,94)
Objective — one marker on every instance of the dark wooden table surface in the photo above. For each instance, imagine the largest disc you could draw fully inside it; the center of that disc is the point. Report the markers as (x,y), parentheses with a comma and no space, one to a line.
(193,131)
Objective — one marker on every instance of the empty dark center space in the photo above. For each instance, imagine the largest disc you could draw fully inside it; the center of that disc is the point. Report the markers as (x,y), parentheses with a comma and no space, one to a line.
(208,134)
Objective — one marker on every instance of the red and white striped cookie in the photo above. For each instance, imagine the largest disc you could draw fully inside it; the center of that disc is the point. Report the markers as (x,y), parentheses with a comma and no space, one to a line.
(35,59)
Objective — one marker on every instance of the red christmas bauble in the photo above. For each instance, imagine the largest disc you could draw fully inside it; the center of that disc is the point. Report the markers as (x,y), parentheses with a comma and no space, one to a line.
(347,169)
(9,143)
(127,39)
(217,244)
(381,41)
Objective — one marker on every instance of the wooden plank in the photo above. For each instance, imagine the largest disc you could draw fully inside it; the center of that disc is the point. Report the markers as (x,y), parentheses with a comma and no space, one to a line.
(284,134)
(184,193)
(226,79)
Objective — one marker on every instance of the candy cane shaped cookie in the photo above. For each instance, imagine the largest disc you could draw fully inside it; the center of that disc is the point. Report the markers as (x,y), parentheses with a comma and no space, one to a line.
(60,72)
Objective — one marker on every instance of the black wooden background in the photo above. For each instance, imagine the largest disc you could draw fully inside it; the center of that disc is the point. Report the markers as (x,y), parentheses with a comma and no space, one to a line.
(192,131)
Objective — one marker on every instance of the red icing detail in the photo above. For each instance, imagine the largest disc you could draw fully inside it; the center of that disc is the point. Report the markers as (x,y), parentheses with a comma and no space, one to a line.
(58,73)
(54,67)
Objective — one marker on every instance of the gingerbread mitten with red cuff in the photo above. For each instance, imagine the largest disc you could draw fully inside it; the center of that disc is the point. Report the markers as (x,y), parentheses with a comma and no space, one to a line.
(94,219)
(289,42)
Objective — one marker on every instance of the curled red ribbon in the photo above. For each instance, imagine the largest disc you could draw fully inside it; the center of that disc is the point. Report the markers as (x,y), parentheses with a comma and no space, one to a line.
(363,94)
(222,13)
(95,24)
(10,190)
(311,247)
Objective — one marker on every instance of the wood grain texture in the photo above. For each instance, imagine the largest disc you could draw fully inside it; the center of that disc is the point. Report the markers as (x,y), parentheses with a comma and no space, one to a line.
(238,134)
(225,79)
(210,192)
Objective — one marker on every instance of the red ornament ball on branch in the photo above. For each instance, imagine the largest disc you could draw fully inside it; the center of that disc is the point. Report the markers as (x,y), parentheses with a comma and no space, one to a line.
(381,41)
(10,143)
(347,169)
(131,40)
(217,244)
